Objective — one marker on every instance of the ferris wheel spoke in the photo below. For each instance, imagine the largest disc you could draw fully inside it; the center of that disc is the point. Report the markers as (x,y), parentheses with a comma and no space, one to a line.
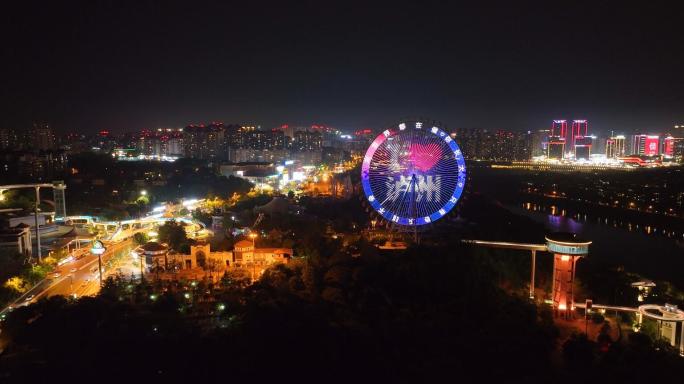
(413,173)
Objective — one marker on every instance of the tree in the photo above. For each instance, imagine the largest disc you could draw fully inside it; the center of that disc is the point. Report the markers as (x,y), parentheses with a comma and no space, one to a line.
(213,265)
(142,201)
(141,238)
(228,222)
(597,318)
(17,284)
(603,339)
(173,233)
(578,351)
(198,215)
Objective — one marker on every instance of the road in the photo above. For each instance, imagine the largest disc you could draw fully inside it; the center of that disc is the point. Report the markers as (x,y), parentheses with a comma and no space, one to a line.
(83,281)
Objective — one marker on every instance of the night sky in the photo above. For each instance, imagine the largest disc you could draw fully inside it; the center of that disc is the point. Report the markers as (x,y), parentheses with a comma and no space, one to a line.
(514,65)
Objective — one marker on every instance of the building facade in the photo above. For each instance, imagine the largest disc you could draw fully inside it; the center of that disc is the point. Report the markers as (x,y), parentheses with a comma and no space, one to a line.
(245,253)
(645,145)
(17,239)
(205,142)
(615,147)
(43,137)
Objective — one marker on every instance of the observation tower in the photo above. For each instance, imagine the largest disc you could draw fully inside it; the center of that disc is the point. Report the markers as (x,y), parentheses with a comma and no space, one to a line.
(567,249)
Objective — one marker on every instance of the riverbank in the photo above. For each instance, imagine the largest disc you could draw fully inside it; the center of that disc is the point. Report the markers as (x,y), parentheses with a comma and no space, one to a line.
(654,257)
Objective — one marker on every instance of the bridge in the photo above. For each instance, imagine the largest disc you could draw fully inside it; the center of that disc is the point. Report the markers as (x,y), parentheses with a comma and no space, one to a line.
(37,187)
(83,219)
(119,230)
(661,313)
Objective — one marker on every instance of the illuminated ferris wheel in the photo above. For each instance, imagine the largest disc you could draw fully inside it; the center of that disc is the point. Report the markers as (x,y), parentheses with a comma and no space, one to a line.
(413,174)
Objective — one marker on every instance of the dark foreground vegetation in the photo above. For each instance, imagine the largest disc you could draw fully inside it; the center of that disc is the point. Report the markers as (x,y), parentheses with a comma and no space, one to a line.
(425,315)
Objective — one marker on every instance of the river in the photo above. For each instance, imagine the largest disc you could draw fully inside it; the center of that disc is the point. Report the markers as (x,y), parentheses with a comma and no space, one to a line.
(653,257)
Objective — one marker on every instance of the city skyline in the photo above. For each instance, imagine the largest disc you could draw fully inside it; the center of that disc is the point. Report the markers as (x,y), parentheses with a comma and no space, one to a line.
(341,192)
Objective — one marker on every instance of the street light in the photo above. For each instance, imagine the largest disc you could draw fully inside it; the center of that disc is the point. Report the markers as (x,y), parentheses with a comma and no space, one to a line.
(142,256)
(143,193)
(98,249)
(253,236)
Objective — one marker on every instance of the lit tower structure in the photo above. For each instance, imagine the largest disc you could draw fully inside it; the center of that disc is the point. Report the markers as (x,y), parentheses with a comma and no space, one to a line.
(678,143)
(668,146)
(556,146)
(580,140)
(567,248)
(59,199)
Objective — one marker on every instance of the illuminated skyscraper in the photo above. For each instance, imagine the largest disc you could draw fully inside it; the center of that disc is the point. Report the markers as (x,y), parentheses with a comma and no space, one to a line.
(646,145)
(583,145)
(559,128)
(557,140)
(615,147)
(580,142)
(678,143)
(668,146)
(579,128)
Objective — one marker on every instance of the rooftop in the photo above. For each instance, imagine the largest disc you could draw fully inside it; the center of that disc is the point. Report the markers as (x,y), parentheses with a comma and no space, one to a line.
(566,237)
(153,246)
(243,244)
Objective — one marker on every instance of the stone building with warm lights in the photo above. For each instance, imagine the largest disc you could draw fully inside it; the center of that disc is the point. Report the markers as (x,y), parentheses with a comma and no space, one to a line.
(157,257)
(245,253)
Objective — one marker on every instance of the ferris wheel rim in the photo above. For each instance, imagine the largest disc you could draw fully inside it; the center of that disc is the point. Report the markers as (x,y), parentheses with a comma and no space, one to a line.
(449,168)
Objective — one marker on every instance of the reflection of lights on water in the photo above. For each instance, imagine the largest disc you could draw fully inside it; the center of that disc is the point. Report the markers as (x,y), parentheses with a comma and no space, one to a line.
(561,217)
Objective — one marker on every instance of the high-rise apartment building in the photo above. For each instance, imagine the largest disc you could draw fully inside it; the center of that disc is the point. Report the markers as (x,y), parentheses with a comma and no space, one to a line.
(205,142)
(9,139)
(678,143)
(42,136)
(306,141)
(500,145)
(540,142)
